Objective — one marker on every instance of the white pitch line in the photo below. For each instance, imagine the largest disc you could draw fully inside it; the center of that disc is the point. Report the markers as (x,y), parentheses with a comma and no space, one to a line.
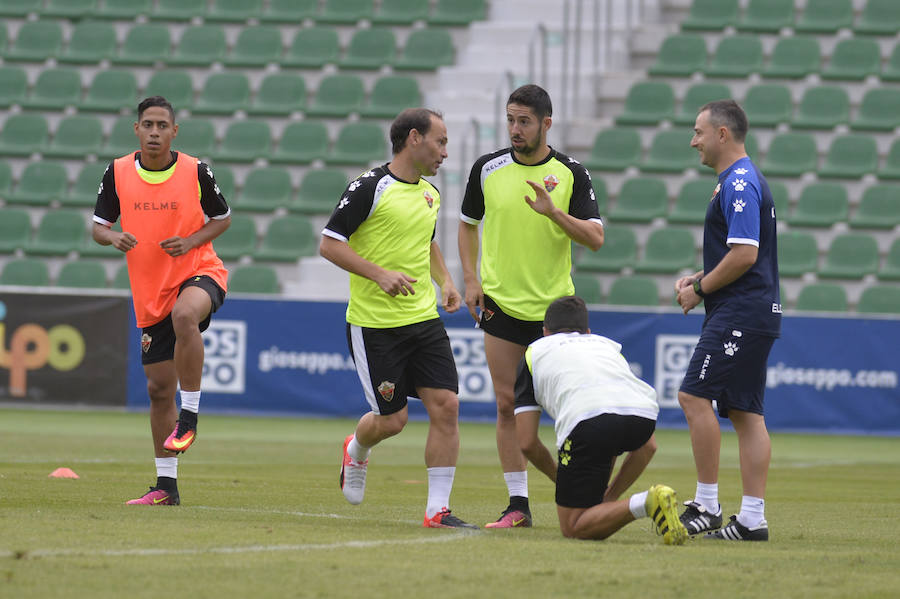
(293,513)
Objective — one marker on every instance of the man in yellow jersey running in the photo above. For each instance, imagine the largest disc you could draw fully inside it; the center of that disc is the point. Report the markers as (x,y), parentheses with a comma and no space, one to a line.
(382,233)
(534,201)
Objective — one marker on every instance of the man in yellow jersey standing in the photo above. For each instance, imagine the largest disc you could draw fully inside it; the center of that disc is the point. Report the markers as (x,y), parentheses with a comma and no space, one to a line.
(171,210)
(534,201)
(382,233)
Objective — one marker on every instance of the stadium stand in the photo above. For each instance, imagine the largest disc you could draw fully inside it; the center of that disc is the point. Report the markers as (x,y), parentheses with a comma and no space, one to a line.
(853,59)
(319,191)
(680,55)
(692,201)
(891,168)
(370,49)
(6,178)
(337,96)
(790,155)
(822,107)
(736,56)
(878,17)
(669,251)
(111,91)
(793,58)
(615,149)
(13,85)
(711,15)
(640,200)
(767,16)
(31,272)
(174,86)
(58,233)
(880,299)
(633,291)
(768,105)
(891,69)
(890,270)
(178,10)
(301,143)
(345,12)
(89,43)
(825,16)
(256,46)
(223,94)
(82,274)
(199,45)
(822,297)
(426,49)
(648,103)
(40,184)
(238,240)
(312,47)
(798,254)
(670,152)
(36,42)
(15,229)
(879,110)
(288,11)
(400,12)
(390,95)
(75,137)
(358,144)
(233,11)
(20,8)
(820,204)
(195,136)
(265,189)
(83,193)
(287,239)
(587,286)
(244,141)
(253,278)
(879,207)
(696,96)
(850,157)
(55,89)
(457,12)
(280,94)
(850,256)
(145,44)
(120,278)
(619,251)
(123,10)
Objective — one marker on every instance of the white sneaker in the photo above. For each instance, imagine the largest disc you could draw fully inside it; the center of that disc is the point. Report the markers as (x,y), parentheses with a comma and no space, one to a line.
(353,476)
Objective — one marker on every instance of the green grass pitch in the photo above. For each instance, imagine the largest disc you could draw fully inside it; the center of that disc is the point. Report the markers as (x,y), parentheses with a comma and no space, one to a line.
(262,516)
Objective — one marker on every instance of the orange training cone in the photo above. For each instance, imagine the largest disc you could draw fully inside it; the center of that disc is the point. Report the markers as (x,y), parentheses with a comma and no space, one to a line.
(63,473)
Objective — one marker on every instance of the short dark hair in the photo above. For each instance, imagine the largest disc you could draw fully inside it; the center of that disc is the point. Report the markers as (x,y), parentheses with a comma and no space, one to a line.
(729,114)
(534,97)
(568,314)
(155,101)
(411,118)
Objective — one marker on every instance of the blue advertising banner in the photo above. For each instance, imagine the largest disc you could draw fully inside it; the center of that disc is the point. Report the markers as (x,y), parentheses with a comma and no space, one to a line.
(291,357)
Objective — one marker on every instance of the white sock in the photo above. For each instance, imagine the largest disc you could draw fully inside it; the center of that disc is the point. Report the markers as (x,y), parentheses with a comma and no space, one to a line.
(190,401)
(440,483)
(357,451)
(517,483)
(752,511)
(167,467)
(708,496)
(638,505)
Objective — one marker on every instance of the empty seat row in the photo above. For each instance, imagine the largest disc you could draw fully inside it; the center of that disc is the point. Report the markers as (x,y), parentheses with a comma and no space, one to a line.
(256,46)
(793,57)
(394,12)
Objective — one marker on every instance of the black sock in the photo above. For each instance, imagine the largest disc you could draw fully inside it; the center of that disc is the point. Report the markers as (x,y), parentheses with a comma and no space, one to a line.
(517,502)
(188,417)
(167,483)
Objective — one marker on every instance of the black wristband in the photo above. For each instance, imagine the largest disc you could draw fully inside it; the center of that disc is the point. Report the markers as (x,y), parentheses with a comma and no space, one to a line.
(698,289)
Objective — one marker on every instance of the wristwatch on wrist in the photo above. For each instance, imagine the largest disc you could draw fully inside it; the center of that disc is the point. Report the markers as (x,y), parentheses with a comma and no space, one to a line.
(698,289)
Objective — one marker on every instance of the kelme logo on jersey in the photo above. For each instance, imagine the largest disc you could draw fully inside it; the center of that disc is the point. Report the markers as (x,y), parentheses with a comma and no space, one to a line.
(146,340)
(550,182)
(386,390)
(429,198)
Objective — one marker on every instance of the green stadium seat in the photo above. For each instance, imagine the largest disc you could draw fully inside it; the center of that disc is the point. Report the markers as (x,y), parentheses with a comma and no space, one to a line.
(265,190)
(287,239)
(288,11)
(820,204)
(82,274)
(587,287)
(633,291)
(891,168)
(92,249)
(680,55)
(668,251)
(280,94)
(120,279)
(175,86)
(6,179)
(358,144)
(648,103)
(767,16)
(370,49)
(457,12)
(798,254)
(13,85)
(87,183)
(790,155)
(178,10)
(20,8)
(641,199)
(121,140)
(850,157)
(4,38)
(780,196)
(619,251)
(245,141)
(879,110)
(890,271)
(822,107)
(615,149)
(426,50)
(301,143)
(794,57)
(111,91)
(200,46)
(320,190)
(822,297)
(853,59)
(879,207)
(671,152)
(224,177)
(711,15)
(768,105)
(850,256)
(879,17)
(390,95)
(40,184)
(825,16)
(879,299)
(233,11)
(400,12)
(238,240)
(223,93)
(699,95)
(15,229)
(337,96)
(692,201)
(891,69)
(197,137)
(55,90)
(58,233)
(145,44)
(90,43)
(254,278)
(36,42)
(124,10)
(23,134)
(345,12)
(256,46)
(736,57)
(313,47)
(69,9)
(29,272)
(76,136)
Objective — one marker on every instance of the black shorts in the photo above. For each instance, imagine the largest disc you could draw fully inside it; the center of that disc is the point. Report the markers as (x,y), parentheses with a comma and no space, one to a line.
(496,322)
(392,363)
(158,340)
(586,456)
(729,366)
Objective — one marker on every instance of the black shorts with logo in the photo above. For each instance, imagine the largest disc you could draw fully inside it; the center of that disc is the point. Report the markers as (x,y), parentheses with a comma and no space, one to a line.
(392,363)
(586,456)
(498,323)
(158,340)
